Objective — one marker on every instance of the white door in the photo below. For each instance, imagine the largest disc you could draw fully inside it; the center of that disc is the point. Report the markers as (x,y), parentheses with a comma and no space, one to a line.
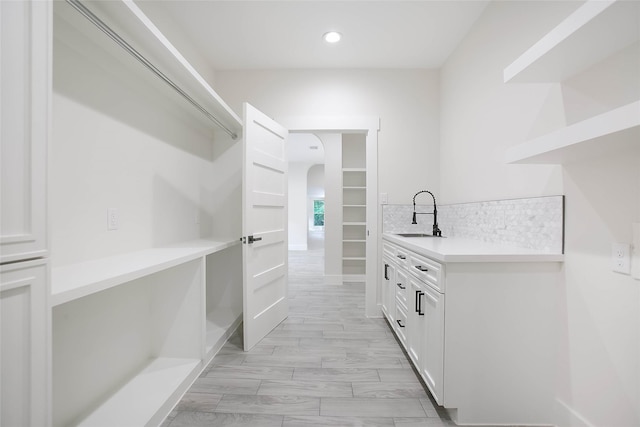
(264,226)
(25,60)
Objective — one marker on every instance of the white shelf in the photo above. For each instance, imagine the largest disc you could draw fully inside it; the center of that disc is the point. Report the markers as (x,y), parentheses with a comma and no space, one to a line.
(354,223)
(354,206)
(78,280)
(616,131)
(593,32)
(353,258)
(130,22)
(220,322)
(354,188)
(138,401)
(354,169)
(354,241)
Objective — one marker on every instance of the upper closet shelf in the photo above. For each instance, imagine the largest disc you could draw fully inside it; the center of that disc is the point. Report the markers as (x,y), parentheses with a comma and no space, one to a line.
(616,131)
(121,26)
(593,32)
(75,281)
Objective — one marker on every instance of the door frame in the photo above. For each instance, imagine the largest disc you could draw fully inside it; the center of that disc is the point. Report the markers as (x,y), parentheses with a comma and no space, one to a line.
(369,126)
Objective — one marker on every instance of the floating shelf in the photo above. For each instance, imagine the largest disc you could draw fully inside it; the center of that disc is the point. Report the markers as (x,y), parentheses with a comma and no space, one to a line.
(593,32)
(616,131)
(354,169)
(78,280)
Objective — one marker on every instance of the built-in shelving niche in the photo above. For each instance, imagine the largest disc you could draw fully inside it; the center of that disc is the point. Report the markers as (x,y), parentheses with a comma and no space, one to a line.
(131,331)
(139,327)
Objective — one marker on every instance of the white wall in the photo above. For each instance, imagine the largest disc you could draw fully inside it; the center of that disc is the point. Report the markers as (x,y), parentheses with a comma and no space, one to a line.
(298,172)
(332,207)
(405,100)
(598,316)
(119,141)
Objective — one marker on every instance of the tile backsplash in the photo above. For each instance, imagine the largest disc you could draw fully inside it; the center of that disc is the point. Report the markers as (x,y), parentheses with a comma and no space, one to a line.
(534,223)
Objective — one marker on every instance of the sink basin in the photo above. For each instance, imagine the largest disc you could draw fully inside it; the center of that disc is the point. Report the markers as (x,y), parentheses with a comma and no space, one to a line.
(416,235)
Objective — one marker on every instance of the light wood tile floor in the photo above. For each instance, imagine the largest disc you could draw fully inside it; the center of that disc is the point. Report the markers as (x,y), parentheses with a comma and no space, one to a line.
(325,365)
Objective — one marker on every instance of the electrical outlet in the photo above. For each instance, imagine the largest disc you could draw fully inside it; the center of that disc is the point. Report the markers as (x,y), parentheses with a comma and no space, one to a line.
(384,198)
(621,258)
(113,219)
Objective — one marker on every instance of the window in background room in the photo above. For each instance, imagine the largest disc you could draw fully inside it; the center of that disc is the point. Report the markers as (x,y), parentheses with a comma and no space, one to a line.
(318,214)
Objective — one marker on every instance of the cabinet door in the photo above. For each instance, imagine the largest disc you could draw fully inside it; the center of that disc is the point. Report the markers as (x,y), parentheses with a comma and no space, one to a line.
(415,321)
(24,349)
(388,290)
(25,29)
(432,352)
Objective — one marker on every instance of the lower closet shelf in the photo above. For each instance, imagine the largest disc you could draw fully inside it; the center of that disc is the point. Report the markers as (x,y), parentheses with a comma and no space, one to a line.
(220,323)
(138,401)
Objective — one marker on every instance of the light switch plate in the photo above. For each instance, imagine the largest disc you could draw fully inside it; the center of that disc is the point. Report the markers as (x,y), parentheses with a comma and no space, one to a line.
(621,258)
(384,198)
(113,221)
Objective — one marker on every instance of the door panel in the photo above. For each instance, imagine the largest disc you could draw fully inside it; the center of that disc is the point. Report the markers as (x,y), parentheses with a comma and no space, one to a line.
(24,348)
(265,266)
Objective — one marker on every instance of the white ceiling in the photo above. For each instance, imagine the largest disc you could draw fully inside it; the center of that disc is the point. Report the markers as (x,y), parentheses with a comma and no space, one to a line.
(266,34)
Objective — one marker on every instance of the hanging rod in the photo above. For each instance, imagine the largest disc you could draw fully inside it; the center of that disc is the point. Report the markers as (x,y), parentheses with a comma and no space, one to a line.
(144,61)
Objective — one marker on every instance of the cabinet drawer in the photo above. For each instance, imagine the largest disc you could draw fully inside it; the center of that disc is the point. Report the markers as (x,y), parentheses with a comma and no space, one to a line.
(400,325)
(389,250)
(401,287)
(402,257)
(427,270)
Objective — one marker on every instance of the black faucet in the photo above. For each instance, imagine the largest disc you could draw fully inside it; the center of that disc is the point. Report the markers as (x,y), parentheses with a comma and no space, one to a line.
(436,230)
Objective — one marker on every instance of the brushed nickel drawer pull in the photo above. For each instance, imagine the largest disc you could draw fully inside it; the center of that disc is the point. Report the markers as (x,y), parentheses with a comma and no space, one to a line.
(421,268)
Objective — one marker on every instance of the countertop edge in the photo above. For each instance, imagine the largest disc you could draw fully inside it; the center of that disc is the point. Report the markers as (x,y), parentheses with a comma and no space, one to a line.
(494,253)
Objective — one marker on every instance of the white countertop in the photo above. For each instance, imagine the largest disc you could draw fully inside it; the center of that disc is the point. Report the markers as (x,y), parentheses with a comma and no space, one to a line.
(453,249)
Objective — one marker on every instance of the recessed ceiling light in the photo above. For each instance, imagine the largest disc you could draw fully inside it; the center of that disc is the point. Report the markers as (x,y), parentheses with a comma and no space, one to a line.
(313,147)
(332,37)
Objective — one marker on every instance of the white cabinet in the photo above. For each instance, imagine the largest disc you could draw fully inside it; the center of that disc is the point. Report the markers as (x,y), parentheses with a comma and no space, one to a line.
(24,126)
(479,332)
(430,304)
(25,344)
(425,325)
(388,287)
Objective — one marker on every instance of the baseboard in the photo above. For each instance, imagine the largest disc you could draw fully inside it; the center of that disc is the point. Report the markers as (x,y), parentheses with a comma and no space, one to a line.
(566,416)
